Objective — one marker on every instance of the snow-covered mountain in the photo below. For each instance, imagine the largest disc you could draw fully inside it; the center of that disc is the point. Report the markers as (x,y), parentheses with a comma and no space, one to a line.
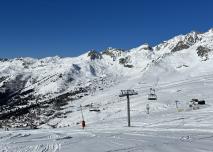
(48,92)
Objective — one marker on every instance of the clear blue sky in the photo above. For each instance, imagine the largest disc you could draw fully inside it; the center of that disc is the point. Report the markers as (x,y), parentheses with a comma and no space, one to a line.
(40,28)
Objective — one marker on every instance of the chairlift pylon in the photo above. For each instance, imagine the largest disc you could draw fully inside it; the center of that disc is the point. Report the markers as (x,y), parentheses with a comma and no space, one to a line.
(152,95)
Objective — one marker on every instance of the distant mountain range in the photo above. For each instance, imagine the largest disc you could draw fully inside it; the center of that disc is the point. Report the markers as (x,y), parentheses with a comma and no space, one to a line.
(34,92)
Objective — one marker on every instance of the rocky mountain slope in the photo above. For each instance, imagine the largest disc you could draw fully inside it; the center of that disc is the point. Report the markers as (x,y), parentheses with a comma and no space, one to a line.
(48,92)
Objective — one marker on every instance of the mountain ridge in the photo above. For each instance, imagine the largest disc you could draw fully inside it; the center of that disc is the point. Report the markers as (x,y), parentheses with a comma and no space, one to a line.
(51,83)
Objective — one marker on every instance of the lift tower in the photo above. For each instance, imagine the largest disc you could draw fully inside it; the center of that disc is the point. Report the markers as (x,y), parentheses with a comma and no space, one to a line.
(128,93)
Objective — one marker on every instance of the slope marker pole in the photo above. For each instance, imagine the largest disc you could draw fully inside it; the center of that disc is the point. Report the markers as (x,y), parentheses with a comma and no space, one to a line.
(83,123)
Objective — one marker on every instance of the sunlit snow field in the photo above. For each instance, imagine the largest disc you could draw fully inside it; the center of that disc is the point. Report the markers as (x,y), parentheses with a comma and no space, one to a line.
(164,129)
(179,76)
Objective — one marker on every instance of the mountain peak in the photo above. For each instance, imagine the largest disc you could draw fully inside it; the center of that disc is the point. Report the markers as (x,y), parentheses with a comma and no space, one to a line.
(142,47)
(210,30)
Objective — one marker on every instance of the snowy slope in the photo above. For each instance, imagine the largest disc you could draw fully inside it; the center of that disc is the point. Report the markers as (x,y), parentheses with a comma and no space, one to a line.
(54,88)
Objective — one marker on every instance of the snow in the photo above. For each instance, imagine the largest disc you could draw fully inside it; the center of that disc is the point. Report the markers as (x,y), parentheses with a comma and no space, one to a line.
(159,131)
(181,76)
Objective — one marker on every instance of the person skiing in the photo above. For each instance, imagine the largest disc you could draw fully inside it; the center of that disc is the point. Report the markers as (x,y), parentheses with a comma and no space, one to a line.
(147,108)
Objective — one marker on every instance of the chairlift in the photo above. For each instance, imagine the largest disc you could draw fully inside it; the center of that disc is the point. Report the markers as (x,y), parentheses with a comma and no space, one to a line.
(113,58)
(152,95)
(93,108)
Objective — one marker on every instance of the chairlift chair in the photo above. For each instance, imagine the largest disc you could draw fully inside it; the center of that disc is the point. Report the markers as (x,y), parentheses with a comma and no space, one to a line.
(152,95)
(93,108)
(113,58)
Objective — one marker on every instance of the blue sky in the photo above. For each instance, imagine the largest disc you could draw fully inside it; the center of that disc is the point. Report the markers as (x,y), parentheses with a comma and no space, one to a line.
(40,28)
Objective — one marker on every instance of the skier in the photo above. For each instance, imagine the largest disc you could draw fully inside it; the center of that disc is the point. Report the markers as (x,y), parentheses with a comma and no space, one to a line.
(147,108)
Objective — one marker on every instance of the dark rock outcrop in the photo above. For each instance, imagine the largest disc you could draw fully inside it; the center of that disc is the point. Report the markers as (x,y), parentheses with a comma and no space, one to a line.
(180,46)
(203,51)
